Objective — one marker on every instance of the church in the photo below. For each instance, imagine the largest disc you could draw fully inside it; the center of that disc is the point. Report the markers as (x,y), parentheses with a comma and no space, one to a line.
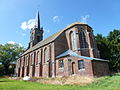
(70,51)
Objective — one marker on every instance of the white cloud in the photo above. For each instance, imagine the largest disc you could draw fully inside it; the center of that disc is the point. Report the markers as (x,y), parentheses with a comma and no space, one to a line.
(85,18)
(31,23)
(11,42)
(28,24)
(56,19)
(24,25)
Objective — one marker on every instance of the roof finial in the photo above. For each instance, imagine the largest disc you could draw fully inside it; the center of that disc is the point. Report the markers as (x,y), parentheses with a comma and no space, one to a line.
(37,22)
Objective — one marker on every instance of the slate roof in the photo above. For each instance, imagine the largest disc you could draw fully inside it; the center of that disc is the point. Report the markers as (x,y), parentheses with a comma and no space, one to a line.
(71,53)
(52,38)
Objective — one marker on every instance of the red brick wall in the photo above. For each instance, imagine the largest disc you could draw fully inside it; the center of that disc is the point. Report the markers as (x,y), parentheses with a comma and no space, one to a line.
(100,68)
(62,71)
(87,71)
(85,52)
(61,44)
(67,70)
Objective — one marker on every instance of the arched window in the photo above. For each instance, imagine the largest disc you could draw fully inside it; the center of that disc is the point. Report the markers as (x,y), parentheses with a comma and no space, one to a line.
(82,39)
(46,57)
(38,58)
(23,61)
(26,60)
(32,59)
(73,40)
(20,62)
(91,40)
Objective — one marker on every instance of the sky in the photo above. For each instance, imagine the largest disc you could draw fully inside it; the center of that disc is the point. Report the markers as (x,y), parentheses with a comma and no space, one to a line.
(18,16)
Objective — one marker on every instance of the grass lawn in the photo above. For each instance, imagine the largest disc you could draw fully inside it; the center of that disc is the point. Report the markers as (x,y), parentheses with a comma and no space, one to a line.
(103,83)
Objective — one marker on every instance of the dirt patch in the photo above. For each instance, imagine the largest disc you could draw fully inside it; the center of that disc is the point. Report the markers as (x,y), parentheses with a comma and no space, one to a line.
(72,80)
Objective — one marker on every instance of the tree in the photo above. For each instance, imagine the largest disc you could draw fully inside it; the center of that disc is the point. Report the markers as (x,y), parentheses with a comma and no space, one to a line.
(8,55)
(114,46)
(103,46)
(109,48)
(1,70)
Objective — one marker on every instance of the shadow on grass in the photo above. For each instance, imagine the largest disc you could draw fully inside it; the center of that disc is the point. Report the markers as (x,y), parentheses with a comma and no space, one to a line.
(115,74)
(4,81)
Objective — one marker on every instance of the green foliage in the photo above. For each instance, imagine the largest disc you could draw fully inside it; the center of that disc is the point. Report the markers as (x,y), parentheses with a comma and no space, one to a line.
(8,54)
(1,69)
(103,83)
(109,48)
(103,44)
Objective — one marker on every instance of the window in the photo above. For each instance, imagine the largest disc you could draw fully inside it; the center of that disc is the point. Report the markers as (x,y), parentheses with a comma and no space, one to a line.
(38,38)
(82,39)
(61,64)
(20,62)
(81,64)
(38,58)
(23,61)
(32,59)
(26,60)
(91,40)
(73,40)
(46,56)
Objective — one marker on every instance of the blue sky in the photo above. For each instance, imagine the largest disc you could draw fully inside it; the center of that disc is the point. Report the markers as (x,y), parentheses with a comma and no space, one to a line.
(16,16)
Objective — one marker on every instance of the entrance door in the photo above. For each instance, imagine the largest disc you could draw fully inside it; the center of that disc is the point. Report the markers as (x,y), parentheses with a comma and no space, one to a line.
(73,67)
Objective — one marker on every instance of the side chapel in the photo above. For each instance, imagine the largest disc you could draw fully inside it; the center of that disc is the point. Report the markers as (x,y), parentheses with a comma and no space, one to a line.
(70,51)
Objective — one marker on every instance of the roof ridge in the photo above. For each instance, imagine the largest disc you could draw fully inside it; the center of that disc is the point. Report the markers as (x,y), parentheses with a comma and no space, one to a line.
(50,38)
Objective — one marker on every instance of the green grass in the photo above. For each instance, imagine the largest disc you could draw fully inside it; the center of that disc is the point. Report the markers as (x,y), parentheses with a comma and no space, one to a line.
(103,83)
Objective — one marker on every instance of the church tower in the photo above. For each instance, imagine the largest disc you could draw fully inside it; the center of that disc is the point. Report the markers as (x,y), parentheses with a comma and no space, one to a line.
(36,33)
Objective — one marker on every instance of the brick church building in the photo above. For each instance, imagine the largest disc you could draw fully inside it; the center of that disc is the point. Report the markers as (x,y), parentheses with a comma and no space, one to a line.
(70,51)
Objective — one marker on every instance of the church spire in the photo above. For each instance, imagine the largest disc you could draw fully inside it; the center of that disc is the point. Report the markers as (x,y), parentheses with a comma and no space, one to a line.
(36,33)
(37,22)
